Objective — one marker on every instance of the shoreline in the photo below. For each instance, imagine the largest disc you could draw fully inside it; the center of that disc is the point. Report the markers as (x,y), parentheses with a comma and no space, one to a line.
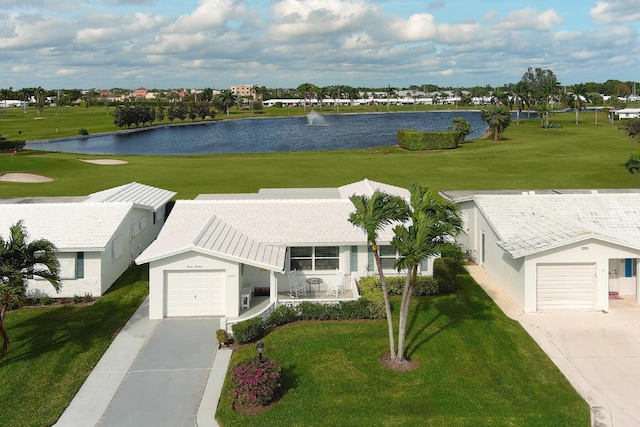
(213,121)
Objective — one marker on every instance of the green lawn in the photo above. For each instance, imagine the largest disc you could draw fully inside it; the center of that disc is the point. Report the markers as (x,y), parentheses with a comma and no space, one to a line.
(528,157)
(477,368)
(468,360)
(54,349)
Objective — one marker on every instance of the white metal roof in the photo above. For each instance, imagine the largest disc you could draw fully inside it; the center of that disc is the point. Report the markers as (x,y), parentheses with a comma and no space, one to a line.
(257,230)
(367,187)
(142,195)
(530,223)
(70,226)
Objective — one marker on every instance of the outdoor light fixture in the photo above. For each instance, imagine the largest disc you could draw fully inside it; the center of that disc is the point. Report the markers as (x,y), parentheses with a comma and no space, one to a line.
(259,347)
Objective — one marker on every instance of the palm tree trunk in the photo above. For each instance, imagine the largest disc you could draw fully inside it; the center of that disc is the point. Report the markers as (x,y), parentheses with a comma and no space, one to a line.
(577,112)
(387,303)
(407,293)
(3,332)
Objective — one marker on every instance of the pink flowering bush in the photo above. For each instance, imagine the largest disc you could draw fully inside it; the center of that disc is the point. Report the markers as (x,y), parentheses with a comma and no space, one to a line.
(255,383)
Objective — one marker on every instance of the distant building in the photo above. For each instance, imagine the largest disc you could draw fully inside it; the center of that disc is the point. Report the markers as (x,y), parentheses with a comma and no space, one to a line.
(140,93)
(243,91)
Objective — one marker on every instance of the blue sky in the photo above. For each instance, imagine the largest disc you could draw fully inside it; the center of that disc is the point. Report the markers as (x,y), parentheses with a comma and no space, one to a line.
(283,43)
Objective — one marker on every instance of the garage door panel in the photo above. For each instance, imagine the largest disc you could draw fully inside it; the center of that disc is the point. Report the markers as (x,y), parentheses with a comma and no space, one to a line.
(566,286)
(195,293)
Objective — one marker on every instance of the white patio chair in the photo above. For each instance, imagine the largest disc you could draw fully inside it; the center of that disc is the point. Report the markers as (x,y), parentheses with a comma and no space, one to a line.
(338,286)
(296,287)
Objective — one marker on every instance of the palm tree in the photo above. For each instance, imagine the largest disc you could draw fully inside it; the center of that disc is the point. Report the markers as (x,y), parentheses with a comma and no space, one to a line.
(435,222)
(520,98)
(633,164)
(498,117)
(596,100)
(372,214)
(580,96)
(224,100)
(18,261)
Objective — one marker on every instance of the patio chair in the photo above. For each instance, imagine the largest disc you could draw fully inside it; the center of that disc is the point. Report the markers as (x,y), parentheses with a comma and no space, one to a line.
(339,286)
(296,287)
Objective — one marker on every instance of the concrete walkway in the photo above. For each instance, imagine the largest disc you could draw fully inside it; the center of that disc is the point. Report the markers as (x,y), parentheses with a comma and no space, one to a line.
(155,373)
(598,352)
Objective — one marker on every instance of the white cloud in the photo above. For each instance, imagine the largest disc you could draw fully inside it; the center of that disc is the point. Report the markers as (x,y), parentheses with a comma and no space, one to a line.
(530,19)
(66,72)
(615,11)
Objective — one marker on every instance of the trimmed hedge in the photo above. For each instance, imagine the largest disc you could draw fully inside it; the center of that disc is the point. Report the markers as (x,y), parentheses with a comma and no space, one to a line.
(10,145)
(445,272)
(425,285)
(415,141)
(248,330)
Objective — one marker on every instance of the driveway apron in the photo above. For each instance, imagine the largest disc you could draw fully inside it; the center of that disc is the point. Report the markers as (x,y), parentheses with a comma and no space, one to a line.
(165,383)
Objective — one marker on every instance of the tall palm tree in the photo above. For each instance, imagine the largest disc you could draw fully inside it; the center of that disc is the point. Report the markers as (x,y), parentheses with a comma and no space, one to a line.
(580,97)
(498,117)
(224,100)
(372,214)
(19,260)
(434,224)
(520,99)
(596,100)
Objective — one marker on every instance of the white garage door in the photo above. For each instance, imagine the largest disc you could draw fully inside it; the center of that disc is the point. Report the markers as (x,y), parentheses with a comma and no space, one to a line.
(566,286)
(195,293)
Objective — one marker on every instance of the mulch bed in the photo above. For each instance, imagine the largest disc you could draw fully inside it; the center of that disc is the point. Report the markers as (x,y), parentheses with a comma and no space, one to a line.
(407,366)
(255,410)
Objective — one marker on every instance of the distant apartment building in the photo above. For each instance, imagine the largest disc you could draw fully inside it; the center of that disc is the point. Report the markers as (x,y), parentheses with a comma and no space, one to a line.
(243,91)
(140,93)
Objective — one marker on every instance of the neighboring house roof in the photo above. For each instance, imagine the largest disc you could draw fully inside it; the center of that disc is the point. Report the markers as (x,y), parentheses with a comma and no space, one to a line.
(144,196)
(530,223)
(267,226)
(367,187)
(80,223)
(70,226)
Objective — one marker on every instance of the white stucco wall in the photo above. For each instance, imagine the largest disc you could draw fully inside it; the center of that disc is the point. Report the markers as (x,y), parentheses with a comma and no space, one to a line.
(89,284)
(588,251)
(192,261)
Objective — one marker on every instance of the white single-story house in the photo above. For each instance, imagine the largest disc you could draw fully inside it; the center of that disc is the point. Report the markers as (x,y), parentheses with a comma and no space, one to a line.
(232,255)
(97,236)
(627,113)
(555,249)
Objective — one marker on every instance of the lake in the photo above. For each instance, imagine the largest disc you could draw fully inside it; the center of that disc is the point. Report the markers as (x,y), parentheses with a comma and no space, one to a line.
(337,132)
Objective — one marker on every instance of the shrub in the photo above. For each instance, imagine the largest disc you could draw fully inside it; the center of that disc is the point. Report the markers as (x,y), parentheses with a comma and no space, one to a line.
(87,297)
(83,131)
(6,145)
(414,141)
(425,285)
(221,336)
(256,383)
(76,299)
(248,330)
(313,311)
(45,300)
(445,271)
(283,315)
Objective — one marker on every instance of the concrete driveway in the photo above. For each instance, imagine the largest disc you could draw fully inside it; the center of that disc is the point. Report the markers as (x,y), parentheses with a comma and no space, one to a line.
(598,352)
(166,382)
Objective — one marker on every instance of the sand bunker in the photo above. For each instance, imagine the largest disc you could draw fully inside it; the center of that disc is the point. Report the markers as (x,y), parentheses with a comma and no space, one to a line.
(105,161)
(23,177)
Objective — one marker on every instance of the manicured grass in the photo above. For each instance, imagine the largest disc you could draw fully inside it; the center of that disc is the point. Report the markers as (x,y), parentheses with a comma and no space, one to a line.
(477,367)
(54,349)
(528,157)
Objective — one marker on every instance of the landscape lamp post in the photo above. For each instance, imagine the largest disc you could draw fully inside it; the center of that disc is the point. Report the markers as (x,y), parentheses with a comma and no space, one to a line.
(259,347)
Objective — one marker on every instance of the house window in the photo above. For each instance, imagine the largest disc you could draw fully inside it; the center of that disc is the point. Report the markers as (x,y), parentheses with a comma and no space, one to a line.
(483,249)
(354,258)
(314,258)
(388,256)
(117,248)
(154,217)
(80,265)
